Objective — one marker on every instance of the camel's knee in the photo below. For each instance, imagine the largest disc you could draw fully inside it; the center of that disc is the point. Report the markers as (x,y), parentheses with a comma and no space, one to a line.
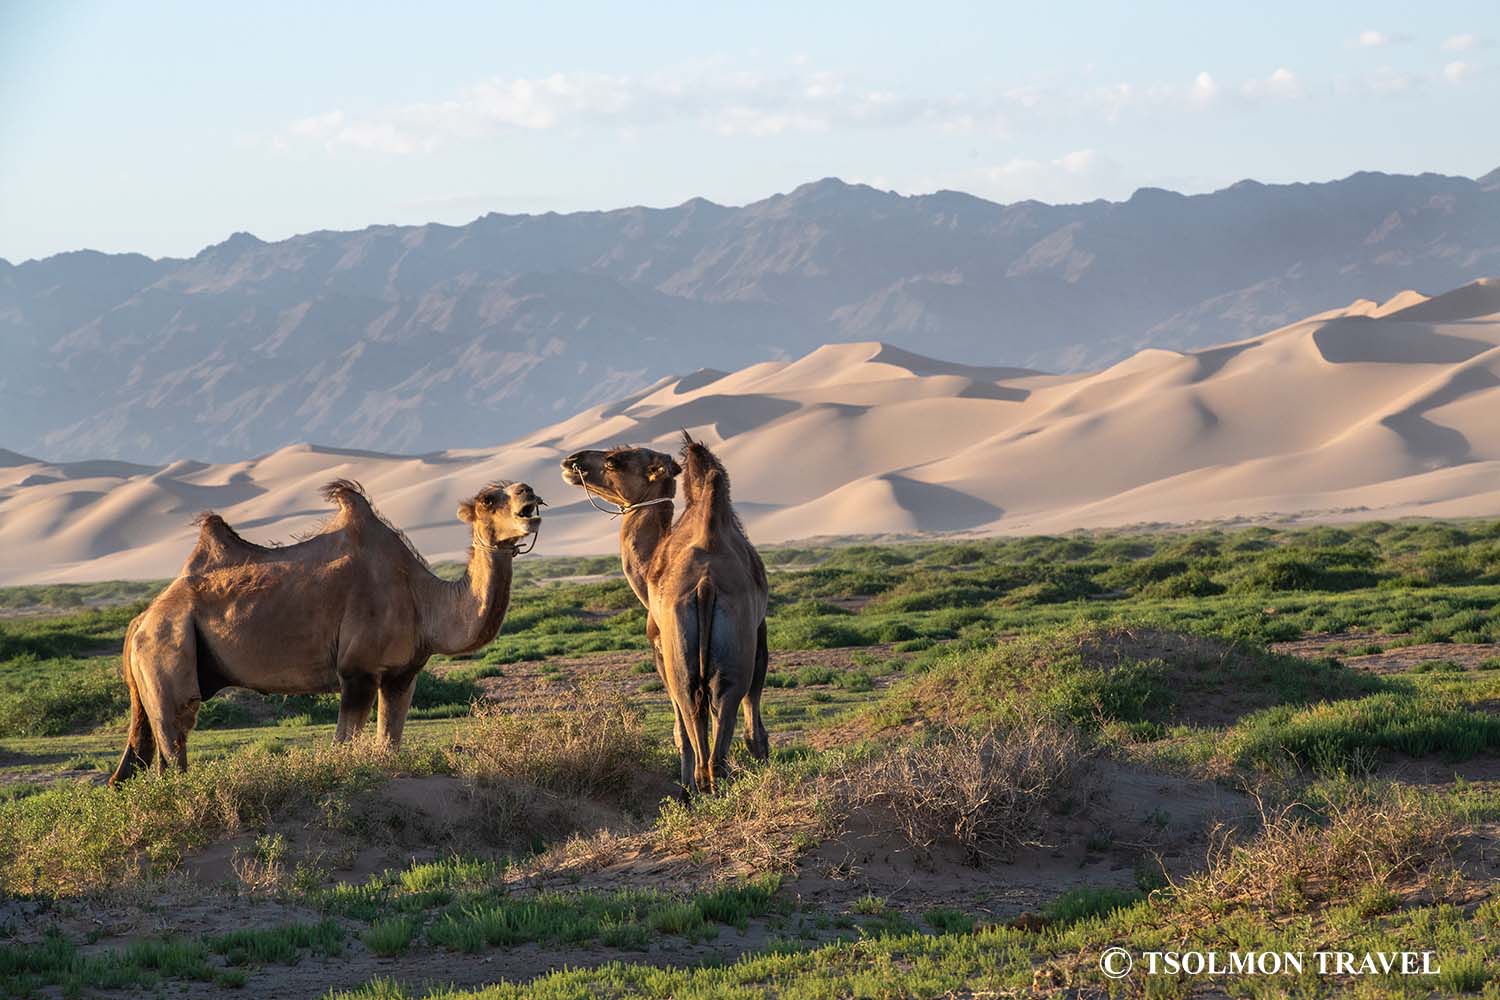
(187,716)
(172,751)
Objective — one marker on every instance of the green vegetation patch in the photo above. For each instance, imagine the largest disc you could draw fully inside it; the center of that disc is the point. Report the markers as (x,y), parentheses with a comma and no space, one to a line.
(1144,680)
(57,961)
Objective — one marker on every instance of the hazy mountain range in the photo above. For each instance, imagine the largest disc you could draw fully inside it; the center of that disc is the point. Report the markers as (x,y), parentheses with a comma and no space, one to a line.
(1370,411)
(419,338)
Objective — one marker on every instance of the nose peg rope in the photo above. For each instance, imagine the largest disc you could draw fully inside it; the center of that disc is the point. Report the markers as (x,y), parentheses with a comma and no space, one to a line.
(515,546)
(534,536)
(588,491)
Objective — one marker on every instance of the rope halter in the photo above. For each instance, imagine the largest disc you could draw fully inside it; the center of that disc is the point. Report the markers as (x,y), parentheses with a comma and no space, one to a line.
(515,547)
(618,509)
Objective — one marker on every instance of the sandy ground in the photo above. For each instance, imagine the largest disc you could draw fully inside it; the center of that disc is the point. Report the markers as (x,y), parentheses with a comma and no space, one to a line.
(1368,411)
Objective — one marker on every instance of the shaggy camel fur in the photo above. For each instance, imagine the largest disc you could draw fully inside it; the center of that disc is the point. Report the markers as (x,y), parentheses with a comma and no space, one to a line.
(353,609)
(703,564)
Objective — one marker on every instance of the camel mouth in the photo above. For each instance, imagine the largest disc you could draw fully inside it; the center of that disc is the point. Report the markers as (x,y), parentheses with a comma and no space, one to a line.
(530,512)
(571,475)
(533,524)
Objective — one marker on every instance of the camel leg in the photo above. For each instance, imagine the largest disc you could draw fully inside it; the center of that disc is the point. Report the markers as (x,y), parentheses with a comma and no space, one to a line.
(698,736)
(685,753)
(725,707)
(140,751)
(757,741)
(140,746)
(356,698)
(164,662)
(395,702)
(187,718)
(653,636)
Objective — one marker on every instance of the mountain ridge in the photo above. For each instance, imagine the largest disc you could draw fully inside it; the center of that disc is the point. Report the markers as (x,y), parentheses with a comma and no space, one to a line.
(417,338)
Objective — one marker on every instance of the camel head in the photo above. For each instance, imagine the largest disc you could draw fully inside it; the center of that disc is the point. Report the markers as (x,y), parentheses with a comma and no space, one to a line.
(623,476)
(502,514)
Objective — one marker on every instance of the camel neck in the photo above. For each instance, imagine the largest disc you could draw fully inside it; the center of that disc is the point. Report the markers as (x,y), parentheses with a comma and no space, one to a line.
(466,613)
(641,533)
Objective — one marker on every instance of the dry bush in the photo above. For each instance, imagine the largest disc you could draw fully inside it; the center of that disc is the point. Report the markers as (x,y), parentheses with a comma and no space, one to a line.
(588,743)
(582,853)
(983,791)
(1302,856)
(760,822)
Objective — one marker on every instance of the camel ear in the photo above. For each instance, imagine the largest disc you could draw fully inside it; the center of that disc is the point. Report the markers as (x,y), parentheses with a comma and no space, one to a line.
(466,511)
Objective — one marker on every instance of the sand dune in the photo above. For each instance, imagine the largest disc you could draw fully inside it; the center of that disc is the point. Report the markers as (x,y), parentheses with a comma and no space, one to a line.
(1378,410)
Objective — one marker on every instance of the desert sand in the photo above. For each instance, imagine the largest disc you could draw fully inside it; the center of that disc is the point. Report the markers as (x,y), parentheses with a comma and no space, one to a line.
(1372,411)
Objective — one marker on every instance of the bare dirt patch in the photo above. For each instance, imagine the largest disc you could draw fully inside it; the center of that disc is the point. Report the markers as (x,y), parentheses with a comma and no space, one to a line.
(1483,768)
(1391,659)
(1321,644)
(531,685)
(1469,656)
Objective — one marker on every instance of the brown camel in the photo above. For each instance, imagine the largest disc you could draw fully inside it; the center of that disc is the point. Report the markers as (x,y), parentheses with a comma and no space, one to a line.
(640,483)
(352,609)
(706,550)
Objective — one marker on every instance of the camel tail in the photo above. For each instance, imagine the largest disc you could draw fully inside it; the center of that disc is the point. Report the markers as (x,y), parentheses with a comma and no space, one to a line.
(702,689)
(140,741)
(706,603)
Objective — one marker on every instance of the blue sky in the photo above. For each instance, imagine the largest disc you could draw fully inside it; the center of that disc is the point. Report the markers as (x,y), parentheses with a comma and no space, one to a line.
(163,127)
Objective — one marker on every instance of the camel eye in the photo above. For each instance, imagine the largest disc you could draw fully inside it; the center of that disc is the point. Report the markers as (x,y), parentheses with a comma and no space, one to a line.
(610,465)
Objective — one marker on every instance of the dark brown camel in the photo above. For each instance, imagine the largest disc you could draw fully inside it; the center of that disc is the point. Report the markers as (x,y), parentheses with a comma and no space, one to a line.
(676,568)
(353,609)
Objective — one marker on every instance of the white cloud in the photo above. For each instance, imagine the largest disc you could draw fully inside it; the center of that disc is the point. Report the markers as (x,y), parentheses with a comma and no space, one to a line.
(1457,71)
(1203,91)
(1073,176)
(718,97)
(1281,84)
(1387,82)
(1028,96)
(1116,98)
(1372,39)
(1459,43)
(713,96)
(1078,162)
(317,125)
